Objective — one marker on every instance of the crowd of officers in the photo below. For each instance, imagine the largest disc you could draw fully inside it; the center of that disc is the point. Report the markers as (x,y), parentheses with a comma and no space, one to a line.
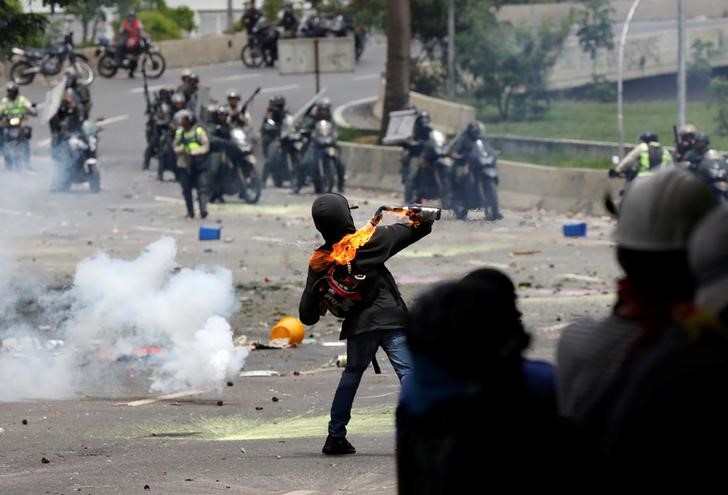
(182,135)
(692,150)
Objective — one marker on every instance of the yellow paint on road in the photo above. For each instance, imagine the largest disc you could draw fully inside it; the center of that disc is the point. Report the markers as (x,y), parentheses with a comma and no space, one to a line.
(365,421)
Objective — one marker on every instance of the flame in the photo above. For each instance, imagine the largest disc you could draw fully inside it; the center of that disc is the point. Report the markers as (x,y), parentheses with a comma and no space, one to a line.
(345,250)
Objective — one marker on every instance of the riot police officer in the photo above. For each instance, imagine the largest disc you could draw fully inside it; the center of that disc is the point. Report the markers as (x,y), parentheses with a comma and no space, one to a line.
(192,146)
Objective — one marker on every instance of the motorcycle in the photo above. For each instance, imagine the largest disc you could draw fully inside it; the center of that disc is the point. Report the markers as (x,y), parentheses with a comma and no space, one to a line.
(50,63)
(15,139)
(430,179)
(76,160)
(152,61)
(321,155)
(475,182)
(238,174)
(282,154)
(262,46)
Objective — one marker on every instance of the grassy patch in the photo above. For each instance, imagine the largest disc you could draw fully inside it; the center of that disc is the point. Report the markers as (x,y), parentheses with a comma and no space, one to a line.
(360,136)
(559,159)
(597,121)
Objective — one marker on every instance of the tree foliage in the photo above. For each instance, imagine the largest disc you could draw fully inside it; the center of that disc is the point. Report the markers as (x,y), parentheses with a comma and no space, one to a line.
(159,26)
(699,69)
(508,65)
(595,27)
(17,28)
(719,88)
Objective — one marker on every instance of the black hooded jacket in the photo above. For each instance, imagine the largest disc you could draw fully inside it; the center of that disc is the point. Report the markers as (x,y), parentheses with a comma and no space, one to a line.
(387,310)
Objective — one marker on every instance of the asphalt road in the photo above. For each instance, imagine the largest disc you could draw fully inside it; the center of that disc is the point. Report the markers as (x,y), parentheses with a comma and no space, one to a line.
(102,441)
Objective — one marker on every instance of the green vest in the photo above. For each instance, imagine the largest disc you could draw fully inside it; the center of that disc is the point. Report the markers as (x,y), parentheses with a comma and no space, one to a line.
(191,139)
(14,107)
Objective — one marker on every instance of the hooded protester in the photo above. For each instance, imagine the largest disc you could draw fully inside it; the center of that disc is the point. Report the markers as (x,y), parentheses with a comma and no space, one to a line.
(656,218)
(464,401)
(669,418)
(379,319)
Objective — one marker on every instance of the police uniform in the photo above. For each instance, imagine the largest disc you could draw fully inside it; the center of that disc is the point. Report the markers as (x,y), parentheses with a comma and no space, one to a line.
(192,148)
(640,156)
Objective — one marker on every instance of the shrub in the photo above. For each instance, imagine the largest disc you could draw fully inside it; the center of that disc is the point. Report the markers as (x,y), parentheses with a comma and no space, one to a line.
(159,26)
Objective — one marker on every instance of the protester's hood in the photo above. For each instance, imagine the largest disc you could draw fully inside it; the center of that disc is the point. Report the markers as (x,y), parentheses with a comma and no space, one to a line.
(332,217)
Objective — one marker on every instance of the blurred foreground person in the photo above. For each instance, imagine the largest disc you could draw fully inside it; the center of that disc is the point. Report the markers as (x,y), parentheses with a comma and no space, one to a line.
(667,423)
(656,218)
(375,313)
(479,414)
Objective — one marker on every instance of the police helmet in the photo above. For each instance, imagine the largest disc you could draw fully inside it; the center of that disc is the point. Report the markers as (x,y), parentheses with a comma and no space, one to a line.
(475,130)
(88,128)
(222,110)
(12,90)
(648,137)
(71,78)
(194,77)
(702,142)
(233,94)
(182,114)
(130,14)
(324,104)
(277,102)
(179,98)
(424,119)
(185,74)
(687,132)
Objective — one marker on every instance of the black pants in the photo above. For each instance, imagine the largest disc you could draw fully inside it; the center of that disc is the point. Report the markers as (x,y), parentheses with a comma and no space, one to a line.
(194,176)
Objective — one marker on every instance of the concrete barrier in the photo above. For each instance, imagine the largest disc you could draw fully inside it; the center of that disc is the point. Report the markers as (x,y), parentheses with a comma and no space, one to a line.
(522,185)
(576,148)
(447,116)
(190,52)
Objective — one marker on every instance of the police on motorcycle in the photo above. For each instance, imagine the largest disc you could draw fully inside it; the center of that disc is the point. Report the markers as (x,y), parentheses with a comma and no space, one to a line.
(645,158)
(708,165)
(67,120)
(288,21)
(238,114)
(684,142)
(251,16)
(474,174)
(220,132)
(81,90)
(159,116)
(14,105)
(414,145)
(192,146)
(322,112)
(130,34)
(276,126)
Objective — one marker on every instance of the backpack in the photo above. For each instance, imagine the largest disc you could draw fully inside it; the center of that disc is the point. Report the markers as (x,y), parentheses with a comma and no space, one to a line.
(345,291)
(655,154)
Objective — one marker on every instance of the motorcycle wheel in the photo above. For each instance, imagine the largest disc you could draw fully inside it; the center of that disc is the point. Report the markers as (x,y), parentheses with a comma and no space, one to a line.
(250,186)
(154,65)
(107,66)
(84,71)
(252,56)
(94,180)
(19,73)
(329,170)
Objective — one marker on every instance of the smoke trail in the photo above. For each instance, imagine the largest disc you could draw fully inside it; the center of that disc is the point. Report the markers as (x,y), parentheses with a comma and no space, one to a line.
(116,306)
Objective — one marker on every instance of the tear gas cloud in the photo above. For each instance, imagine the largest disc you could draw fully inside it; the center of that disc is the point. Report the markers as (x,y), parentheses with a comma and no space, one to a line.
(114,308)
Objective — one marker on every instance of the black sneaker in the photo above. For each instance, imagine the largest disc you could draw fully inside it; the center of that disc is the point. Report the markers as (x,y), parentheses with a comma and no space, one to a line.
(338,446)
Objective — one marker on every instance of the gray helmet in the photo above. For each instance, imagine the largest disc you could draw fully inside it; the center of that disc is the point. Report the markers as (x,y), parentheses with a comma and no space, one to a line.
(178,98)
(701,142)
(648,137)
(12,90)
(277,102)
(475,130)
(221,110)
(233,94)
(185,114)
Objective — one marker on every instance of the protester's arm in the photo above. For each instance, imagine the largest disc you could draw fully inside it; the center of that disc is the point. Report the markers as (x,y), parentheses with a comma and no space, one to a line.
(309,309)
(391,239)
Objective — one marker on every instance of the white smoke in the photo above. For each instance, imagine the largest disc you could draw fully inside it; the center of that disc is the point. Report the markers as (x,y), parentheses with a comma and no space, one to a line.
(116,307)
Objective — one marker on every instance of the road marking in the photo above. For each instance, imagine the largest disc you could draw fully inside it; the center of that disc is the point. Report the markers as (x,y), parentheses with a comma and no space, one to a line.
(176,395)
(150,88)
(278,89)
(112,120)
(15,212)
(273,240)
(366,77)
(235,77)
(160,230)
(166,199)
(44,143)
(339,111)
(378,396)
(301,492)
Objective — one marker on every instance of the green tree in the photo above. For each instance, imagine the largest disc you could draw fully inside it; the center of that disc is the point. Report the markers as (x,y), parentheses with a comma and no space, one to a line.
(719,88)
(508,65)
(699,69)
(159,26)
(17,28)
(87,11)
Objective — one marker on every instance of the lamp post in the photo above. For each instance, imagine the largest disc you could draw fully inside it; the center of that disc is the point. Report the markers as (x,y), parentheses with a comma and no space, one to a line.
(451,50)
(681,72)
(620,77)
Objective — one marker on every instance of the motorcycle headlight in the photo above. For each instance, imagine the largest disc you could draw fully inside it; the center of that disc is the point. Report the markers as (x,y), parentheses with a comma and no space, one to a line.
(722,186)
(238,136)
(15,121)
(18,51)
(439,138)
(331,151)
(324,127)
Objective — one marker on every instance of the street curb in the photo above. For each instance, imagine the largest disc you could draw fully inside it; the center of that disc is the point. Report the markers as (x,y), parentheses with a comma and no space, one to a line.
(339,111)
